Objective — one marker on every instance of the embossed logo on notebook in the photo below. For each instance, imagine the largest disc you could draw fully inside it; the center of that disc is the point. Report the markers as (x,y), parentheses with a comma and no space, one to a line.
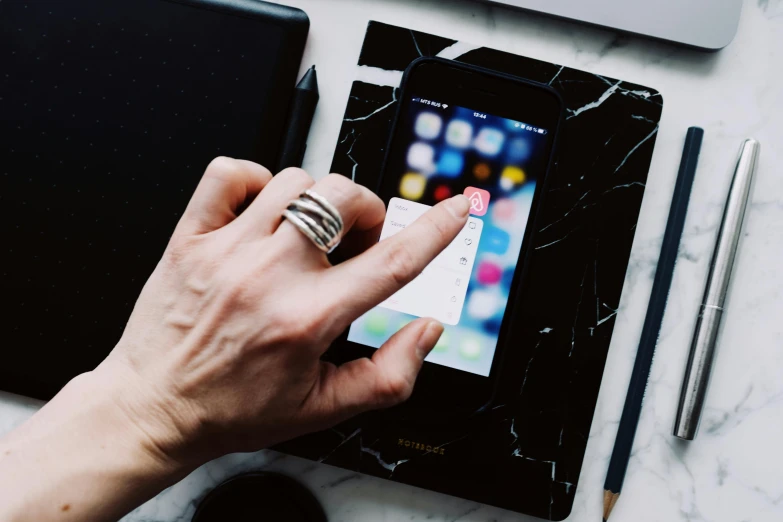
(420,446)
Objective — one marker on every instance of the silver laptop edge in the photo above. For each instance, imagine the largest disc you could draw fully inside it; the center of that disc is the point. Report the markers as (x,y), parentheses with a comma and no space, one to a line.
(705,24)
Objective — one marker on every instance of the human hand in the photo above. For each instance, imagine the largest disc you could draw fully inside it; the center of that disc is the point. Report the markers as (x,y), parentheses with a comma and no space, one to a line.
(222,351)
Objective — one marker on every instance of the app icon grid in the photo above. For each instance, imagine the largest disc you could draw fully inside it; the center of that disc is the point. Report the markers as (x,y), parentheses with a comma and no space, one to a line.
(448,151)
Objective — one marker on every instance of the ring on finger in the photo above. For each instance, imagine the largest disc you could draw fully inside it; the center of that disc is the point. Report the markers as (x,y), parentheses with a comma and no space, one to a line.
(317,219)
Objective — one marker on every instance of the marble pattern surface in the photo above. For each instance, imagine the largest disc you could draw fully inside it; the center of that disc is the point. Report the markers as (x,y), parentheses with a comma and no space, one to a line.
(734,471)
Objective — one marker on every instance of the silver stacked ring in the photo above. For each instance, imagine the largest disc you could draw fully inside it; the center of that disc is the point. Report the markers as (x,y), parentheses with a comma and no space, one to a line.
(317,219)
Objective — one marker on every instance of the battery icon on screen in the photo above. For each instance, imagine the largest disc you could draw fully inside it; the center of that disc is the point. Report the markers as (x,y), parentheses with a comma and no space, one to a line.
(541,131)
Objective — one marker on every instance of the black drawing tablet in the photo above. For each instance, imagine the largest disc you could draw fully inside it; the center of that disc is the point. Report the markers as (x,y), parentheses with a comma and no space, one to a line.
(109,113)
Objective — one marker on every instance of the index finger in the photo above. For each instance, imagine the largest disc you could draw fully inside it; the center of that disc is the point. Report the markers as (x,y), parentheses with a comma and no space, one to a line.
(373,276)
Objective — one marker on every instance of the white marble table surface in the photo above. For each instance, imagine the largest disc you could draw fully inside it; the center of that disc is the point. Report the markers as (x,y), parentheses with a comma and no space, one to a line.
(734,470)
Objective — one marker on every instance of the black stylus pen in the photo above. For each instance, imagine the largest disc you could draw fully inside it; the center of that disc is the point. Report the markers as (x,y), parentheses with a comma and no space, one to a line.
(300,116)
(652,322)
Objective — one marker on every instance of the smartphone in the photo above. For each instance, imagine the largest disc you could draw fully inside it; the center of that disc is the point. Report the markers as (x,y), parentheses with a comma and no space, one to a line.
(463,130)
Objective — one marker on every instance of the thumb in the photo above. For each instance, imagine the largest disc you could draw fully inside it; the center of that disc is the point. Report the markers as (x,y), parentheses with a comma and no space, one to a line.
(380,382)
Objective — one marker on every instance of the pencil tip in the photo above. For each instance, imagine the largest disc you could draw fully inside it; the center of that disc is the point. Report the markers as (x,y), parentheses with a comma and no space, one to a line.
(610,499)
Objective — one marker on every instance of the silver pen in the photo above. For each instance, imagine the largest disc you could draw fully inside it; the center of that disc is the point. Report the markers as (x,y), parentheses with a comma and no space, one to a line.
(705,335)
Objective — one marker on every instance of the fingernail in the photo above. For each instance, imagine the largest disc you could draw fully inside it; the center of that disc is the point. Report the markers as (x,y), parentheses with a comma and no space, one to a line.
(428,338)
(459,206)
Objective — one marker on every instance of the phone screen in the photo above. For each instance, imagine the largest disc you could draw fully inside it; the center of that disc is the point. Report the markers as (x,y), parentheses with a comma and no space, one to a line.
(443,149)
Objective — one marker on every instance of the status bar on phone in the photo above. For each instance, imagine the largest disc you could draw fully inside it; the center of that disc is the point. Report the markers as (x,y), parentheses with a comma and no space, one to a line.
(517,124)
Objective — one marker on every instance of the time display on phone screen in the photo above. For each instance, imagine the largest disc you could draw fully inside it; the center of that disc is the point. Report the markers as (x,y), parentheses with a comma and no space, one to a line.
(495,161)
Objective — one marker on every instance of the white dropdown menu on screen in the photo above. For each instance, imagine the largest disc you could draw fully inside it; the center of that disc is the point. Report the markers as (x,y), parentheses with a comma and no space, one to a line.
(439,291)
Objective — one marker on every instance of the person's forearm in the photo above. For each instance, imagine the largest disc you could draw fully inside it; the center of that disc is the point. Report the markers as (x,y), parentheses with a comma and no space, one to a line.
(81,457)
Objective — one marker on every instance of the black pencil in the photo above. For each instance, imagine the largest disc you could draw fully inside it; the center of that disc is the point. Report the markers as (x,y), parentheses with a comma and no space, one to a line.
(652,322)
(300,116)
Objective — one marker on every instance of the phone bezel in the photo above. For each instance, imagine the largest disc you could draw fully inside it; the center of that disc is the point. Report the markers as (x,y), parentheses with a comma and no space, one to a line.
(482,90)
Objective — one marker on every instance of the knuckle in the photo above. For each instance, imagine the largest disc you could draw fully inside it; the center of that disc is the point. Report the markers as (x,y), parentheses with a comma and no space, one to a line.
(395,389)
(296,175)
(373,198)
(369,199)
(340,181)
(256,168)
(223,167)
(341,187)
(401,266)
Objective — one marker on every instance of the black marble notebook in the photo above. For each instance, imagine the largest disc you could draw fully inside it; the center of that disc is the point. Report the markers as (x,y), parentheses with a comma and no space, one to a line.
(526,453)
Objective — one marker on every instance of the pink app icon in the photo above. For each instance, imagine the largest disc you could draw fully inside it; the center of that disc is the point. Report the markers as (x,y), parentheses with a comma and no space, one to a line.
(489,273)
(479,200)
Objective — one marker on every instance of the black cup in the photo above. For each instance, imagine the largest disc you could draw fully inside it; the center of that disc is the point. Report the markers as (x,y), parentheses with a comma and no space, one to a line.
(260,497)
